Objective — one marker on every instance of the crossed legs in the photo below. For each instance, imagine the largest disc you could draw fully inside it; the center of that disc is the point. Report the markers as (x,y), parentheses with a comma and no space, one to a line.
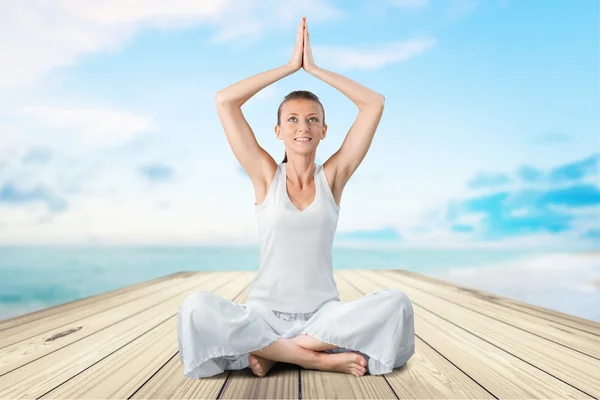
(310,343)
(305,351)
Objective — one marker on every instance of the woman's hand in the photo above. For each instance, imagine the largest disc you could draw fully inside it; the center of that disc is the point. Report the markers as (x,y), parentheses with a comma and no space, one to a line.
(308,63)
(296,60)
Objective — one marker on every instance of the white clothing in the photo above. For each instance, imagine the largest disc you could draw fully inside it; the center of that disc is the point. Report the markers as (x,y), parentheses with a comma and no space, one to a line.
(296,270)
(216,334)
(294,293)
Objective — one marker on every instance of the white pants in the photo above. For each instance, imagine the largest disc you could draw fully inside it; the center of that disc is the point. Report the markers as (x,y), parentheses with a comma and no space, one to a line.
(216,334)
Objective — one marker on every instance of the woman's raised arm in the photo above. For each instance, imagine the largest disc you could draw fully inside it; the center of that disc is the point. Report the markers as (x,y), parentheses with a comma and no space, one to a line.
(253,158)
(358,139)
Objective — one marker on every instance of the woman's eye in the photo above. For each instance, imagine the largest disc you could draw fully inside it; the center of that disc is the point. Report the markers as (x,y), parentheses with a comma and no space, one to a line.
(315,119)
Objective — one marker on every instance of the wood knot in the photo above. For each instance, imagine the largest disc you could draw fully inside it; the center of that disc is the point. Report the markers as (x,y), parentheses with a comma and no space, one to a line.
(65,333)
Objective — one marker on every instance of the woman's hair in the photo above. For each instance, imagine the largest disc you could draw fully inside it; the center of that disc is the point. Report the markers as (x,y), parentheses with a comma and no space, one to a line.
(298,94)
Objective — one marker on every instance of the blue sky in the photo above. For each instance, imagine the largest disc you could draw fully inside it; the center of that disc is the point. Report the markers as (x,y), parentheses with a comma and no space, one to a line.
(490,136)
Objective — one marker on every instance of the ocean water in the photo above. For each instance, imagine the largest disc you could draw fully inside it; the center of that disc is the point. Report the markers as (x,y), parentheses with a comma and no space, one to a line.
(37,277)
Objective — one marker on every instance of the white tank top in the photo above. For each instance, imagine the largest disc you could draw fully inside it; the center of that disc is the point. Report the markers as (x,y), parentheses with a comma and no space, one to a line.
(296,270)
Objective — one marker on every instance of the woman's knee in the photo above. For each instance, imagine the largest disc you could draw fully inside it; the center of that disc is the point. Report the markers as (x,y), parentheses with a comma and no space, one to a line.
(197,300)
(399,300)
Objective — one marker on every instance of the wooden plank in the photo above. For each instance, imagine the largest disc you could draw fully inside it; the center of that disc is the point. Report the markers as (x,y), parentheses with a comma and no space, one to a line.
(572,367)
(122,373)
(67,329)
(81,303)
(74,312)
(582,324)
(426,375)
(494,307)
(46,373)
(498,371)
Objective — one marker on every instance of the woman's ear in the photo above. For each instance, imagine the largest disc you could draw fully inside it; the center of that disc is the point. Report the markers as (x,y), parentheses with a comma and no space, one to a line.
(277,130)
(324,132)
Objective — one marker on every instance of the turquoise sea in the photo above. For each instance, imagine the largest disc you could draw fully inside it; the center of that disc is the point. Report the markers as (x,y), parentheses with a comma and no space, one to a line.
(36,277)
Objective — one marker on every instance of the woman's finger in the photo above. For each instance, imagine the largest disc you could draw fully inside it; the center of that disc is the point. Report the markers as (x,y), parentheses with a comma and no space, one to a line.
(305,30)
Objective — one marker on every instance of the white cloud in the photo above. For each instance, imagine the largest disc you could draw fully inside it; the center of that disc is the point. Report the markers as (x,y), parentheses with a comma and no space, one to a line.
(40,35)
(373,57)
(128,217)
(95,127)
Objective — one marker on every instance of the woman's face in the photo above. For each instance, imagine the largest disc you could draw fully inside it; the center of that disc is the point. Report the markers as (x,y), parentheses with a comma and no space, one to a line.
(301,125)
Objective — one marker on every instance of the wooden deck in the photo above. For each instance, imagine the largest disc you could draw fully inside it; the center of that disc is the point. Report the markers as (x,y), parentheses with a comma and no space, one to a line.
(470,344)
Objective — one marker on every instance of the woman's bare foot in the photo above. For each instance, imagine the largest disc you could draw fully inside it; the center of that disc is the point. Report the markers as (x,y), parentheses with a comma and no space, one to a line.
(348,362)
(260,366)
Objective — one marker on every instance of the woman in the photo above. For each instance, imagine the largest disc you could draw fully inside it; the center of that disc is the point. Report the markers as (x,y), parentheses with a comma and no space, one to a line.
(293,312)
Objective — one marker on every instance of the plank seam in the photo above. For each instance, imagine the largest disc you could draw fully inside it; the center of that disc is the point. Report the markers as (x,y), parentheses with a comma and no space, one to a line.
(152,376)
(223,385)
(299,384)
